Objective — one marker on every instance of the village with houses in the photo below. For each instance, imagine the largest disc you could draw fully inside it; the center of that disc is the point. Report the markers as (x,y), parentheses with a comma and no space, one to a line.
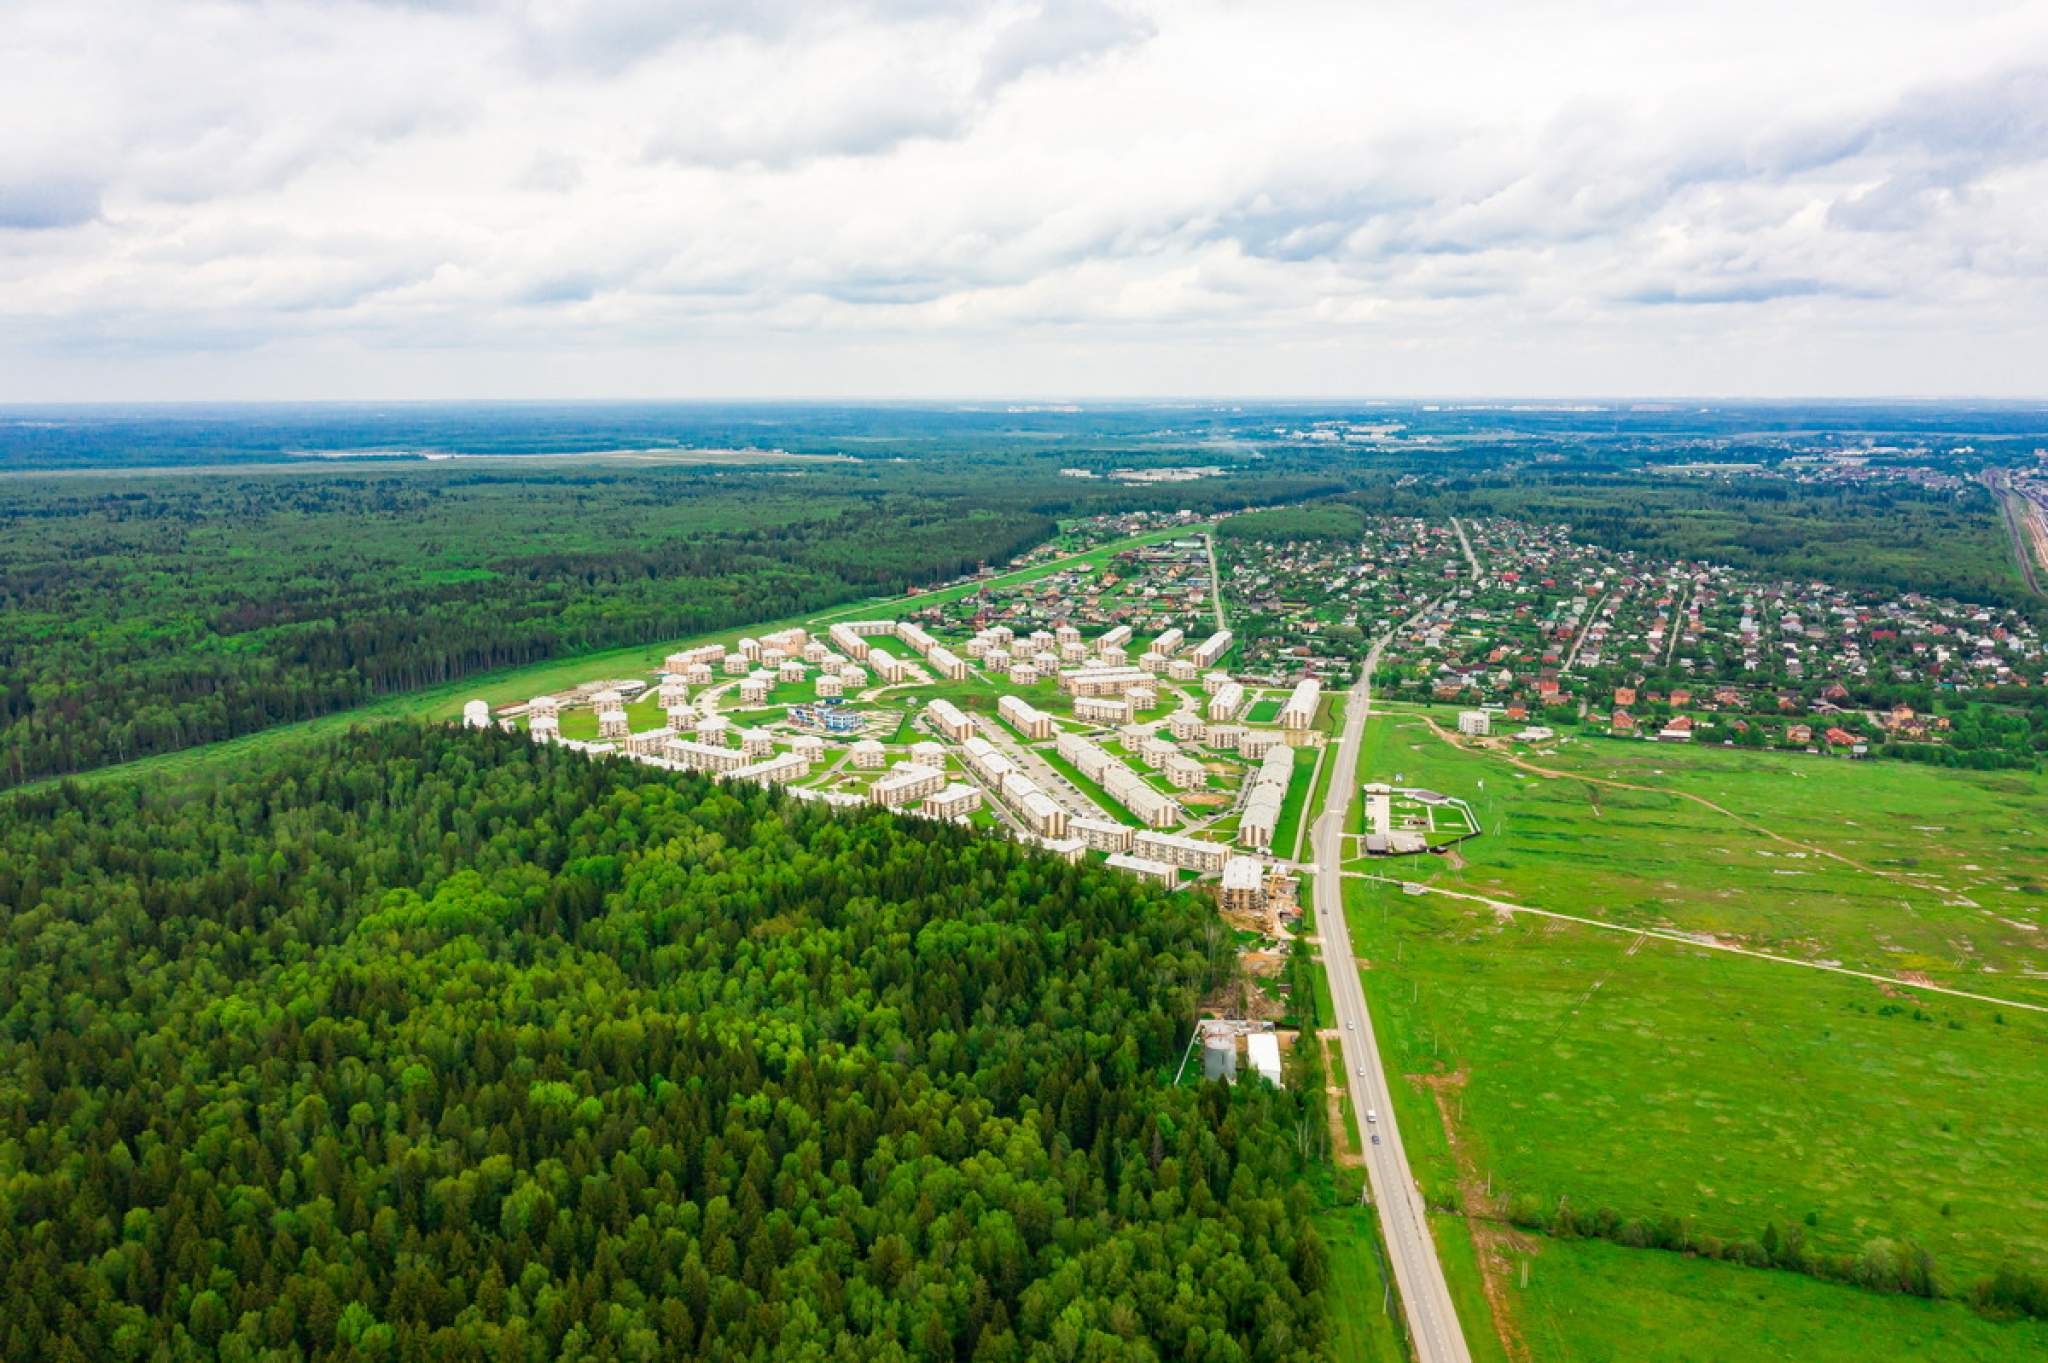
(1538,633)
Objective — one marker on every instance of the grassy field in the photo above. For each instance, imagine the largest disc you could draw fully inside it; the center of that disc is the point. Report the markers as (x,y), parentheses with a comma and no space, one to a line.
(1300,785)
(1888,867)
(1657,1078)
(1591,1302)
(1361,1330)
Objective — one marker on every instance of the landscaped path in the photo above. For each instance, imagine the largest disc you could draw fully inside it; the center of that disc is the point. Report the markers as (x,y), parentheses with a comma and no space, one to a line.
(1705,943)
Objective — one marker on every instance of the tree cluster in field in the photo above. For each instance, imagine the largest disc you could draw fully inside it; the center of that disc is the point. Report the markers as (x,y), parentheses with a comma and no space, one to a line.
(1882,1265)
(424,1044)
(1317,521)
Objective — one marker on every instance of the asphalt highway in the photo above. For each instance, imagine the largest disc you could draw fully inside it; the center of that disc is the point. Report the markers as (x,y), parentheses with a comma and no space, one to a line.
(1419,1277)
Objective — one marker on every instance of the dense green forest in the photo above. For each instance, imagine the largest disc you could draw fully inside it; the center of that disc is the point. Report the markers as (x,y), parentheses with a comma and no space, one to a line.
(430,1045)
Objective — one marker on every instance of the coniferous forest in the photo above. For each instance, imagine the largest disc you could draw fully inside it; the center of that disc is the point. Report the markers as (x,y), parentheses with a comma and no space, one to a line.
(421,1044)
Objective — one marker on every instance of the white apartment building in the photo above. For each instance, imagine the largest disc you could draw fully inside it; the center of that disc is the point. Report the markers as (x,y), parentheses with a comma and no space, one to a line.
(847,641)
(774,770)
(1102,835)
(1258,742)
(947,664)
(954,801)
(684,659)
(906,783)
(476,715)
(1143,867)
(1102,681)
(1225,737)
(1186,773)
(947,718)
(1024,717)
(1299,712)
(867,754)
(1169,642)
(647,743)
(1211,650)
(703,756)
(1260,821)
(756,742)
(1189,854)
(1244,885)
(1475,723)
(1102,710)
(1113,639)
(1225,704)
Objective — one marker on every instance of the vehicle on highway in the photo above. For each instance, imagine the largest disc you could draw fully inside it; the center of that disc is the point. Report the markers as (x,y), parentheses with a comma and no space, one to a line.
(1371,1116)
(1350,1026)
(1375,1138)
(1361,1071)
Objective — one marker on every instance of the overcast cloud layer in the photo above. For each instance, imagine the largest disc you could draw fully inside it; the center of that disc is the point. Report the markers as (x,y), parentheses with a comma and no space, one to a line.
(1075,197)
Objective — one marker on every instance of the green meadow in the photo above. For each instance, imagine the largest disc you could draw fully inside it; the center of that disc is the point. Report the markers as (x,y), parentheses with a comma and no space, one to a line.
(1660,1079)
(1882,866)
(1592,1302)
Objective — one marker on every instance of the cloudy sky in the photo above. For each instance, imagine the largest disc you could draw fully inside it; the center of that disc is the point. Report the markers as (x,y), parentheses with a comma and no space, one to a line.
(701,198)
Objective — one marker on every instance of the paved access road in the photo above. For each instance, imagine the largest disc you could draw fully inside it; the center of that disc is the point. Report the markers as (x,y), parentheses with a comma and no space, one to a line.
(1425,1297)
